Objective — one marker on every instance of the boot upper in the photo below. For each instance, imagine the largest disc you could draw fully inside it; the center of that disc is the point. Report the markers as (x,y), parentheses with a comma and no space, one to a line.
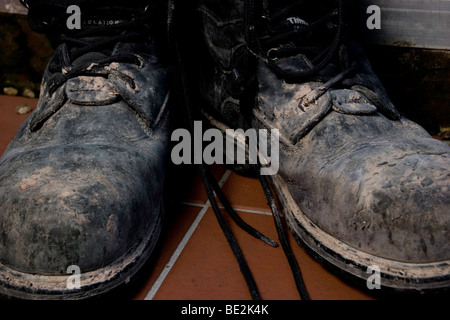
(355,167)
(81,183)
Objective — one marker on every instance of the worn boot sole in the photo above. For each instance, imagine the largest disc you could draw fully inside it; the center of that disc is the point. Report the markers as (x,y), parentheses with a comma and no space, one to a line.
(394,277)
(27,286)
(348,262)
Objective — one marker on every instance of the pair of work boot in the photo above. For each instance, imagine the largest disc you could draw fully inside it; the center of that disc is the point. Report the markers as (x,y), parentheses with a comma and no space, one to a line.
(82,182)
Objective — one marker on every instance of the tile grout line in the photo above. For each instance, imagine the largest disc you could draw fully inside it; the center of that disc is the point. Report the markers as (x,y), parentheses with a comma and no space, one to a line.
(261,212)
(158,283)
(224,178)
(265,213)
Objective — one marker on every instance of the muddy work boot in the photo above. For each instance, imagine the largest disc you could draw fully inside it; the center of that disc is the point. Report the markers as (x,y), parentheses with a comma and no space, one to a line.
(361,187)
(81,183)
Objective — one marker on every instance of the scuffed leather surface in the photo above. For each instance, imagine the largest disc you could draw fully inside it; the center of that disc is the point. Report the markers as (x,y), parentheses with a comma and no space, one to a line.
(354,165)
(82,181)
(379,185)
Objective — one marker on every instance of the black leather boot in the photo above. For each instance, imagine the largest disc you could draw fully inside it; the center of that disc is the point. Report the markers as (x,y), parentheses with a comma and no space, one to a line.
(81,183)
(361,187)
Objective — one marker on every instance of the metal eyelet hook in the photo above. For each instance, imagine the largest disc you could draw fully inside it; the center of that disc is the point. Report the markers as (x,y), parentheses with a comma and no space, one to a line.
(271,54)
(141,61)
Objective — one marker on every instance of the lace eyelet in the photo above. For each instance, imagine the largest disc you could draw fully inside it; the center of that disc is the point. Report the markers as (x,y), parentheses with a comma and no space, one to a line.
(271,54)
(141,60)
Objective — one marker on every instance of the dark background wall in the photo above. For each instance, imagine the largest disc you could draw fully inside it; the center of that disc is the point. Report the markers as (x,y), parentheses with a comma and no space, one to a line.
(416,72)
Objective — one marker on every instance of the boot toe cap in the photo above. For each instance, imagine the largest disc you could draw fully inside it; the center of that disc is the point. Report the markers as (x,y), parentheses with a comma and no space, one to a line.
(82,207)
(390,204)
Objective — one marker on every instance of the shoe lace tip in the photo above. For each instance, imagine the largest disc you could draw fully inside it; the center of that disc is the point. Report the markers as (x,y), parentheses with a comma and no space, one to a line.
(271,242)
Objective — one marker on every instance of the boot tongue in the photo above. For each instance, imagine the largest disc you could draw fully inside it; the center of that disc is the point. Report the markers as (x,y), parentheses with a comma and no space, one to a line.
(104,20)
(305,5)
(296,17)
(300,15)
(292,19)
(87,58)
(292,23)
(99,21)
(287,17)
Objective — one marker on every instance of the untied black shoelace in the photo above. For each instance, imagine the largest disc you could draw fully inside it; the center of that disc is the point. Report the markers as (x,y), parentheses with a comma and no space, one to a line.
(256,44)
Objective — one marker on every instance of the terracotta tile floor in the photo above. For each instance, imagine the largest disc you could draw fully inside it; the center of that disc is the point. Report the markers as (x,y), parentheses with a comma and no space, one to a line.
(194,261)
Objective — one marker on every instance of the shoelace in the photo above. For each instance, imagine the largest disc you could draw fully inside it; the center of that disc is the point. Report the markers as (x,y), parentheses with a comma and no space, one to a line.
(266,43)
(100,39)
(84,69)
(212,188)
(211,185)
(103,40)
(270,48)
